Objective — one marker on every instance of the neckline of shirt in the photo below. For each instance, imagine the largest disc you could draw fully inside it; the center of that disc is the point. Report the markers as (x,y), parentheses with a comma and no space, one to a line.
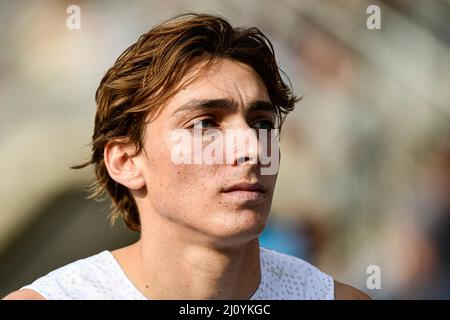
(141,296)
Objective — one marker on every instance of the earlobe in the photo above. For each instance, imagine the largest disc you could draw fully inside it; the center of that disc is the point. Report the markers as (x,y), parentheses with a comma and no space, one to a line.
(122,167)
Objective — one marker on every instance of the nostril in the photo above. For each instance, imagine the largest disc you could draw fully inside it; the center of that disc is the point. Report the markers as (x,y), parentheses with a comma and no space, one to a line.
(245,159)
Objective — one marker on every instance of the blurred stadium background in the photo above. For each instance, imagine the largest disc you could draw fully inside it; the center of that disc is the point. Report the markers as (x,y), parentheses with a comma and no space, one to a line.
(365,172)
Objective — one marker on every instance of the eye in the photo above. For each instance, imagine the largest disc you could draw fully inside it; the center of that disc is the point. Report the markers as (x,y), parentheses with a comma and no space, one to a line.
(264,124)
(203,123)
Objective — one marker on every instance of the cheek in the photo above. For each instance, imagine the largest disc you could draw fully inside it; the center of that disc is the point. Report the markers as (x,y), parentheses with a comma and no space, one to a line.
(177,183)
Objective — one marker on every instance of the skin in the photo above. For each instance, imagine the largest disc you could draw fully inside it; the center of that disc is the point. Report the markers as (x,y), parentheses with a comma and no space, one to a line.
(197,242)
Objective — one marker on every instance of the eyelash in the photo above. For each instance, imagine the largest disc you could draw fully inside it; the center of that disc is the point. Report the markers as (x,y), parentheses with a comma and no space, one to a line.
(270,123)
(199,120)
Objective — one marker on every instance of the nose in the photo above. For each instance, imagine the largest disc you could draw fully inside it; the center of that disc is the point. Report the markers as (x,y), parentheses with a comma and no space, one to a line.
(242,145)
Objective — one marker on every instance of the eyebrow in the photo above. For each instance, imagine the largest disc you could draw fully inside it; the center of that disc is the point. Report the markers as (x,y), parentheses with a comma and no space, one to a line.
(224,104)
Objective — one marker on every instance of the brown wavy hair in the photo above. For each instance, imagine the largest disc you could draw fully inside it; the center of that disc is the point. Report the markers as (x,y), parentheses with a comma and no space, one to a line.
(150,71)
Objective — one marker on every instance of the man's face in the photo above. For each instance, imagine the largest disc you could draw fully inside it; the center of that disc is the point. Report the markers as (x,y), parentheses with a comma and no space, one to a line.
(206,198)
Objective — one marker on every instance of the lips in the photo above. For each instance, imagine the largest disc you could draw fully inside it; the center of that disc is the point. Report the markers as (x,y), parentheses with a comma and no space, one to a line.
(245,186)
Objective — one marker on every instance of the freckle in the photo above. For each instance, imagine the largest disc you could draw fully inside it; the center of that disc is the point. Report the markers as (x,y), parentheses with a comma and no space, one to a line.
(146,286)
(178,172)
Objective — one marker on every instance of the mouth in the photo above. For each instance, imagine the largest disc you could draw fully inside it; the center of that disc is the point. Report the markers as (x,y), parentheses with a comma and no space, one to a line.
(246,187)
(246,191)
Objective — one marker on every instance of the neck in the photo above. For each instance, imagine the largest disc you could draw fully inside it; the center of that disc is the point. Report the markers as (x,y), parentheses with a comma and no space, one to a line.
(164,266)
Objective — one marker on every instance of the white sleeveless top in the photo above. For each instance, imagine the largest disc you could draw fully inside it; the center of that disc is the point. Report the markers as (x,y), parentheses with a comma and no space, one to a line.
(100,277)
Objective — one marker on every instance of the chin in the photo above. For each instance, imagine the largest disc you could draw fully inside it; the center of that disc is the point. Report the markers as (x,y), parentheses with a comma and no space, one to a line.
(234,230)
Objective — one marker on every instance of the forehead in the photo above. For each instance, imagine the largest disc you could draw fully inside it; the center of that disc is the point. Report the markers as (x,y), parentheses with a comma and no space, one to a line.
(222,79)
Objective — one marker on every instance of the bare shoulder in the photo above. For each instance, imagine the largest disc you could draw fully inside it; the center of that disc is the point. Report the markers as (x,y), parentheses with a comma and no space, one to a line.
(25,294)
(346,292)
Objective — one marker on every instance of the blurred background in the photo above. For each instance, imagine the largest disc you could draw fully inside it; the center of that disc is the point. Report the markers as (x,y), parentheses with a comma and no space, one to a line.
(365,172)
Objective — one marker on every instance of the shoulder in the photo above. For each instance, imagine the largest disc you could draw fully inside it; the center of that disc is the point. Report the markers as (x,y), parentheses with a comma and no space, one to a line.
(346,292)
(295,277)
(291,265)
(316,284)
(24,294)
(79,279)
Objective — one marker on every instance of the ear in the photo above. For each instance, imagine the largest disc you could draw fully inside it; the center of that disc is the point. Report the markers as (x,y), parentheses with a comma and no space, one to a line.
(123,168)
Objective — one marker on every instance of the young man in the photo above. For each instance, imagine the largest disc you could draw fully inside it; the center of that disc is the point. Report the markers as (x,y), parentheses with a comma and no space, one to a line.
(199,220)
